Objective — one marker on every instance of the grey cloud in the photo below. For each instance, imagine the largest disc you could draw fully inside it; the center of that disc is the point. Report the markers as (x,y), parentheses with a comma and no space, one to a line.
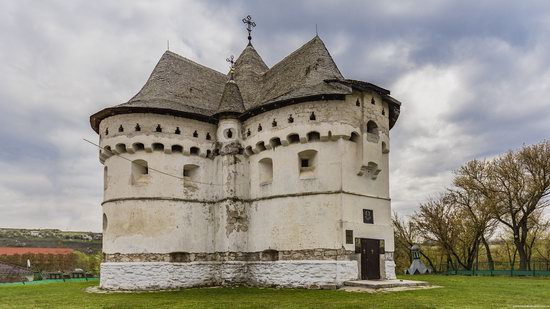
(473,77)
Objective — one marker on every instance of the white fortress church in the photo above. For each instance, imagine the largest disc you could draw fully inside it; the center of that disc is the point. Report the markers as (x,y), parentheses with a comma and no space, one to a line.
(264,176)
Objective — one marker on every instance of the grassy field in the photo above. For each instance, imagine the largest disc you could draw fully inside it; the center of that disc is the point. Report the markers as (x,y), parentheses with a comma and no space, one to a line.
(456,291)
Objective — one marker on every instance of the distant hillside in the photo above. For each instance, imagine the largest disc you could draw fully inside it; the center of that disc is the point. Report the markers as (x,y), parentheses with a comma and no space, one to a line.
(87,242)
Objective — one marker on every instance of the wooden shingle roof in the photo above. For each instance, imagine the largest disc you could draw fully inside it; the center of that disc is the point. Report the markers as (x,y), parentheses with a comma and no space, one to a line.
(178,86)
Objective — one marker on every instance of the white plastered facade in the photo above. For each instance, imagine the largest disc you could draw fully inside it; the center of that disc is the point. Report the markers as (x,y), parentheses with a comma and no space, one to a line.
(227,222)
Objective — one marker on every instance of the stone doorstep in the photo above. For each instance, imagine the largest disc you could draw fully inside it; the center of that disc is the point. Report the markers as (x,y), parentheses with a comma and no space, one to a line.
(384,284)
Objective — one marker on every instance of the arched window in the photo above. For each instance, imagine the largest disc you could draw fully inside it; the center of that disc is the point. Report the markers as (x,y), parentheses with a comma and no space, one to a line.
(137,128)
(266,170)
(275,142)
(357,103)
(158,147)
(290,119)
(372,127)
(307,160)
(138,146)
(293,138)
(313,136)
(107,150)
(354,137)
(177,149)
(194,151)
(259,127)
(372,131)
(177,131)
(140,170)
(195,134)
(158,129)
(120,129)
(312,116)
(105,223)
(106,131)
(120,148)
(248,151)
(260,146)
(208,153)
(190,175)
(208,137)
(105,178)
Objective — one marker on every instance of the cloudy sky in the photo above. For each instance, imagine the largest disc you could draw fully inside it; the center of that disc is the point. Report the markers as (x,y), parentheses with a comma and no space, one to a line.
(473,76)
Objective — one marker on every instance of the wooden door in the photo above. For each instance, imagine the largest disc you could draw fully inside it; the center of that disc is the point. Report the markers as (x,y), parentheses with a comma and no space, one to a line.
(370,259)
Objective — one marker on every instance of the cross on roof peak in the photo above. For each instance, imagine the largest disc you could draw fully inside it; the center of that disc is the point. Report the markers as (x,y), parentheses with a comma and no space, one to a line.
(249,25)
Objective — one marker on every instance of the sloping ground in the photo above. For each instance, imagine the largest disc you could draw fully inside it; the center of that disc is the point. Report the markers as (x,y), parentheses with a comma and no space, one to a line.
(86,246)
(456,292)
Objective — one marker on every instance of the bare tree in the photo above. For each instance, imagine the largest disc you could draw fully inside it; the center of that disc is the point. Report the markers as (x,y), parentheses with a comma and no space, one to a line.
(446,223)
(517,186)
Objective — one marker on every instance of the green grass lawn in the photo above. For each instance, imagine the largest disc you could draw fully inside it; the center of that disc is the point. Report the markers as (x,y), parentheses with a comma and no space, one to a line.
(456,291)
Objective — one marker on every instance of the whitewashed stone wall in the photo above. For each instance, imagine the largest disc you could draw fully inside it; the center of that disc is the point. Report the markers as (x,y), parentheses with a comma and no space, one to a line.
(163,275)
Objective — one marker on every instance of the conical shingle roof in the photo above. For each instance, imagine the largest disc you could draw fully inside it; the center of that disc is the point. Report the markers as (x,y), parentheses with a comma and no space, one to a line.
(231,101)
(249,69)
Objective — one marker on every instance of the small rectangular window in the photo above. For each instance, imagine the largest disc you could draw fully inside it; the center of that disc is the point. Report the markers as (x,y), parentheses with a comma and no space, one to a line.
(368,216)
(349,236)
(305,162)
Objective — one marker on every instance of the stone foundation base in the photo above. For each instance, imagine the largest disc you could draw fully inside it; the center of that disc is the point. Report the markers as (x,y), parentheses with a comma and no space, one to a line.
(165,275)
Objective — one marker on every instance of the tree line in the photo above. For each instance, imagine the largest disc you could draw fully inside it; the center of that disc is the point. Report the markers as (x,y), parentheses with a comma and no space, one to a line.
(494,208)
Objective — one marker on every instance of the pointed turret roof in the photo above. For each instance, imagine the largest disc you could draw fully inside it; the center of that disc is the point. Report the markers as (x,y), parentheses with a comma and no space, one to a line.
(231,101)
(249,69)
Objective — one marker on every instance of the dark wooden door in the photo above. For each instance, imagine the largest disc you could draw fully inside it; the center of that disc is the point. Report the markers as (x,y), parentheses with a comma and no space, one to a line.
(370,259)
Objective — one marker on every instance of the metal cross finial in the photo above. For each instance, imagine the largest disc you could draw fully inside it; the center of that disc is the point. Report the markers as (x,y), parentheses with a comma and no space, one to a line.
(249,25)
(232,67)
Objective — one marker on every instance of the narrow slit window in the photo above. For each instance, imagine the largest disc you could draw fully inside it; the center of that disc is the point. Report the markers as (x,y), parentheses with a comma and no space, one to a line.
(158,129)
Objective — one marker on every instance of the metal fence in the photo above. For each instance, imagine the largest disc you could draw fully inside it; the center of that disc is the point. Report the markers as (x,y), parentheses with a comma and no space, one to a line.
(535,269)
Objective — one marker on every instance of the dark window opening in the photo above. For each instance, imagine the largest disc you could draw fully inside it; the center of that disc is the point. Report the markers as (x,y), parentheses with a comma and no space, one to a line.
(177,131)
(383,112)
(349,237)
(372,101)
(313,136)
(208,137)
(158,147)
(106,131)
(259,127)
(177,148)
(304,162)
(290,119)
(195,134)
(248,132)
(194,151)
(275,142)
(208,153)
(229,133)
(274,123)
(158,129)
(293,138)
(312,116)
(357,103)
(368,216)
(120,129)
(138,146)
(138,128)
